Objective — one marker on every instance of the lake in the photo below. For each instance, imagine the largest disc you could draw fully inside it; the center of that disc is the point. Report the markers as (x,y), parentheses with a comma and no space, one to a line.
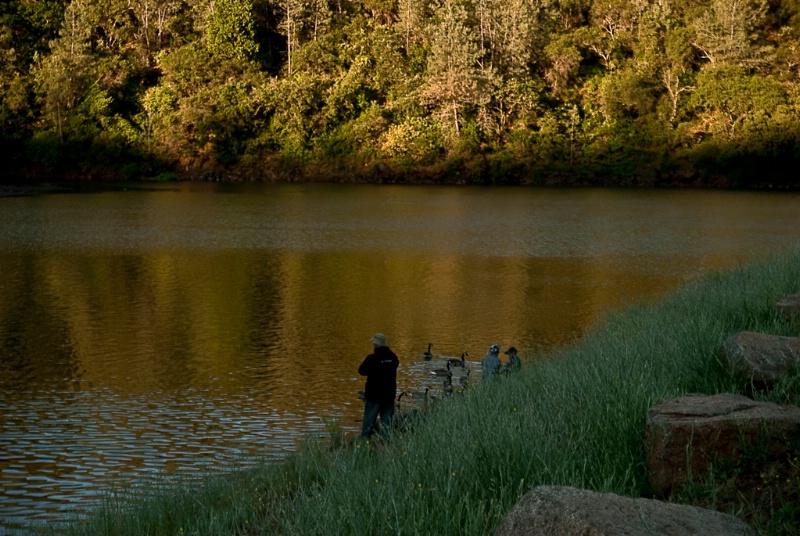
(181,329)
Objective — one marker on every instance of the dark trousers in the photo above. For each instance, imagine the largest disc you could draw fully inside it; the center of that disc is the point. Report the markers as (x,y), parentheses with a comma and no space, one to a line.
(371,412)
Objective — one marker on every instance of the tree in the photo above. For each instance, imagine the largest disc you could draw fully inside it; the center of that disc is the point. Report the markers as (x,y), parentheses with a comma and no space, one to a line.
(615,17)
(33,23)
(296,103)
(202,108)
(381,11)
(411,17)
(319,17)
(112,27)
(673,83)
(8,75)
(787,54)
(291,26)
(603,46)
(571,14)
(65,74)
(676,70)
(230,29)
(454,81)
(511,34)
(627,92)
(151,24)
(512,104)
(158,106)
(727,96)
(725,33)
(8,58)
(564,58)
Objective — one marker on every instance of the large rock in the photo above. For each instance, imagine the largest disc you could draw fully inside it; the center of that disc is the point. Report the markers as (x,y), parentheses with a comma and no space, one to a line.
(763,358)
(561,511)
(789,308)
(688,433)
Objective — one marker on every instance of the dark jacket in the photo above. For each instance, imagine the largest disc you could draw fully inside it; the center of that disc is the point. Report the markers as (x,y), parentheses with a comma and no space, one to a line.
(380,368)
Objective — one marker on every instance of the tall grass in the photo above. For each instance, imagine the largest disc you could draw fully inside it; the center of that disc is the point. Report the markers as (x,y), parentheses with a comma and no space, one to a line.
(576,417)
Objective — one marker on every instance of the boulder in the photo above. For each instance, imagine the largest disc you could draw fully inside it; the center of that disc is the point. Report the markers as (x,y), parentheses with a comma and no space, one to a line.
(789,309)
(684,436)
(763,358)
(563,511)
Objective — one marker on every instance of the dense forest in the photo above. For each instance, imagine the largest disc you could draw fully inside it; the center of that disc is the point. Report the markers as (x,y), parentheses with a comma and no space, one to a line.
(662,92)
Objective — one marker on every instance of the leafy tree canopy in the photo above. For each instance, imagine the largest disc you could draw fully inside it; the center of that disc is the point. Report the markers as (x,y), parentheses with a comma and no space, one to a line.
(575,91)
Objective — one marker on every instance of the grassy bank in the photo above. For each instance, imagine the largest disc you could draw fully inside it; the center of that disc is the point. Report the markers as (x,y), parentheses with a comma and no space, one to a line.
(574,418)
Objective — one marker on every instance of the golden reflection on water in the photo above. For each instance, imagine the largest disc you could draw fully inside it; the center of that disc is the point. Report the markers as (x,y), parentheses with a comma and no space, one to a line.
(164,332)
(290,326)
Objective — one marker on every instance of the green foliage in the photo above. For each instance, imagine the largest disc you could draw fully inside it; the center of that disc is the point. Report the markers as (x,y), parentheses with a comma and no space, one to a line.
(230,29)
(415,141)
(66,74)
(336,144)
(727,97)
(597,87)
(627,93)
(296,117)
(454,83)
(564,60)
(167,176)
(725,33)
(33,24)
(89,117)
(154,121)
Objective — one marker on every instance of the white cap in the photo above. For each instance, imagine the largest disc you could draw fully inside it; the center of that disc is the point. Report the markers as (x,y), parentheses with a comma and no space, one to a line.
(379,339)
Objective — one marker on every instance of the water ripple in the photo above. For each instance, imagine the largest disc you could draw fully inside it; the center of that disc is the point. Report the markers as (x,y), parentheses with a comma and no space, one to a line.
(69,455)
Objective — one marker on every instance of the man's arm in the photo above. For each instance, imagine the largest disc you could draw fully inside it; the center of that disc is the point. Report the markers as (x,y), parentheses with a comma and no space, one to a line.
(366,366)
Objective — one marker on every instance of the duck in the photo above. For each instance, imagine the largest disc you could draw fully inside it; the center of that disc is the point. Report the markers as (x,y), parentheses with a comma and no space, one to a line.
(404,421)
(418,394)
(464,380)
(443,371)
(447,384)
(459,362)
(427,356)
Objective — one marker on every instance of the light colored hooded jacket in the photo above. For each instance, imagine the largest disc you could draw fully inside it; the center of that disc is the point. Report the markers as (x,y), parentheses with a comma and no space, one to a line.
(491,363)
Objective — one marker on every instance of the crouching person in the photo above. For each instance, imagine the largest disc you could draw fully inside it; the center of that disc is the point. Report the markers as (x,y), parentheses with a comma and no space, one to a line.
(514,364)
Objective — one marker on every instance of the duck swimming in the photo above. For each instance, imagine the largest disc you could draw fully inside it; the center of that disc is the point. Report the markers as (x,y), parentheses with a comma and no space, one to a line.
(459,362)
(427,356)
(464,380)
(447,385)
(443,371)
(419,394)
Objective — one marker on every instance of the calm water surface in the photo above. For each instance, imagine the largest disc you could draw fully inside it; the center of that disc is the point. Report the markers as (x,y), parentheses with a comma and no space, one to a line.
(181,329)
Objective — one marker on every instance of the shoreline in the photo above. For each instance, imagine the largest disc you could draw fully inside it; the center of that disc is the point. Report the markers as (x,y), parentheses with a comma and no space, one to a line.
(18,190)
(51,185)
(26,178)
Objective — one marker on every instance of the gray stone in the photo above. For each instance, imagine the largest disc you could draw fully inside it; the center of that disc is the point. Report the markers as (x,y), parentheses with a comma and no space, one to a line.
(763,358)
(687,434)
(789,308)
(563,511)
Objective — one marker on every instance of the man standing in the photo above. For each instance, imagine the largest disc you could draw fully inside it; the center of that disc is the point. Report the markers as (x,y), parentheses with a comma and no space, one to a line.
(380,368)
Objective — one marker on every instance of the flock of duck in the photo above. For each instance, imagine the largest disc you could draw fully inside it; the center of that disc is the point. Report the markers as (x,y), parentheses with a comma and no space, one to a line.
(458,370)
